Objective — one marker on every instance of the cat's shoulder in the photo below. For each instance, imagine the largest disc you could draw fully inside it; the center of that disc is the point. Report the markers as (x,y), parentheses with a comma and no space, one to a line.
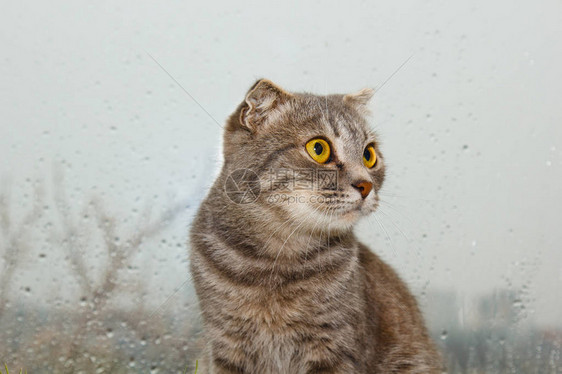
(382,281)
(373,265)
(398,323)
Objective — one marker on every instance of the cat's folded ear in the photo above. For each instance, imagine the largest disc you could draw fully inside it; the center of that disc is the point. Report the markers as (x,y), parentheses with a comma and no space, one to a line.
(360,100)
(261,101)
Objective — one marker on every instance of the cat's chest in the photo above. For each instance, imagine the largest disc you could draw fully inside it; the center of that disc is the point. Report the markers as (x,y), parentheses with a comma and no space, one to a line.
(264,325)
(282,351)
(292,330)
(273,310)
(274,318)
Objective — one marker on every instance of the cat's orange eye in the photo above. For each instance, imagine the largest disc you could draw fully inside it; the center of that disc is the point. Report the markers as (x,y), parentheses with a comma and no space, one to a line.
(369,156)
(319,150)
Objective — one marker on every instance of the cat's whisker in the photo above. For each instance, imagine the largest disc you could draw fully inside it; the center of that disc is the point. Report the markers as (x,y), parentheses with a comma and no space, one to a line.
(390,200)
(386,194)
(381,211)
(303,221)
(308,243)
(418,249)
(395,209)
(289,220)
(409,241)
(386,233)
(322,233)
(329,235)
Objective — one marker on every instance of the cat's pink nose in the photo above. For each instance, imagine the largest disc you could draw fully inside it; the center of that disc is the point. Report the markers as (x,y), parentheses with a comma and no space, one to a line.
(364,187)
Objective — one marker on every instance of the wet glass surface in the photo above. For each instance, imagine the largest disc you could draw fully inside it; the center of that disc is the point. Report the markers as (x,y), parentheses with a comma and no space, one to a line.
(111,134)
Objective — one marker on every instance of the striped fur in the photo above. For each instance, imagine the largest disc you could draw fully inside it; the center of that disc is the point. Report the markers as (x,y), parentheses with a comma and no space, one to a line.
(285,287)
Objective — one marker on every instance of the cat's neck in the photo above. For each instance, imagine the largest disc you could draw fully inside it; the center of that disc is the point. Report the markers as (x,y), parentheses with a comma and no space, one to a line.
(269,231)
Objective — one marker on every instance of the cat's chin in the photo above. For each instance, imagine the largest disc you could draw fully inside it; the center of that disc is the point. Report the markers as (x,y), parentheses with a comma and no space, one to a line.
(349,218)
(327,220)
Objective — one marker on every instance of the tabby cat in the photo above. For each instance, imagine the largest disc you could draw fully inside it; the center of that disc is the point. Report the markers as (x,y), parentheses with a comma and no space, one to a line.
(283,283)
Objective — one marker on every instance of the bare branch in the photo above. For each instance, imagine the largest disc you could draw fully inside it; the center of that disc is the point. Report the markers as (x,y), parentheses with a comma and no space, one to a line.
(17,240)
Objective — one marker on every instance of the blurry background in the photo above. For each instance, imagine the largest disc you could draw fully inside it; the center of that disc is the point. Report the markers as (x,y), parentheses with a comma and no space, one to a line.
(104,160)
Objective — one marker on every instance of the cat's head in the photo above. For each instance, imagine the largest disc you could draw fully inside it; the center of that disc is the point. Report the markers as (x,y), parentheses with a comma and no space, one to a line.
(314,158)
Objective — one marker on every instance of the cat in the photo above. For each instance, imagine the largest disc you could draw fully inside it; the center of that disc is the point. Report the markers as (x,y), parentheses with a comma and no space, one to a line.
(283,284)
